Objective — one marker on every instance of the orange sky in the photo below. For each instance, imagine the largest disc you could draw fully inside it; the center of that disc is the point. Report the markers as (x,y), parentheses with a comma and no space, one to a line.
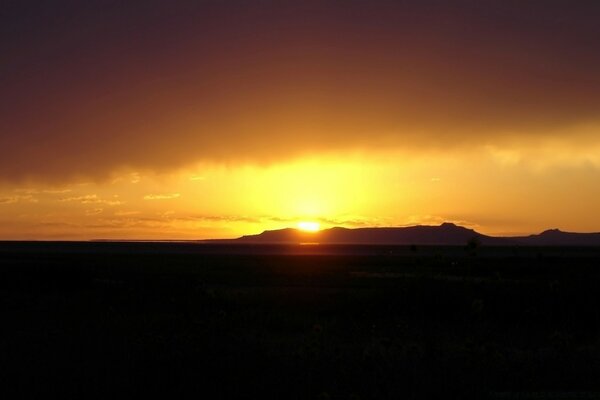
(183,120)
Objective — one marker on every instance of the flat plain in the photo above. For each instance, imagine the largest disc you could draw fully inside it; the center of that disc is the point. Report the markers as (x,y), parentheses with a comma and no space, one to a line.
(299,322)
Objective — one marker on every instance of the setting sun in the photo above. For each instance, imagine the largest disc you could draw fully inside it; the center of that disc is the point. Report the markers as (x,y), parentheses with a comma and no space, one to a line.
(308,226)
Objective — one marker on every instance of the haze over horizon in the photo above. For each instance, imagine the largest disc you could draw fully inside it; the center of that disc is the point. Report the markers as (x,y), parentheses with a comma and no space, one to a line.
(205,119)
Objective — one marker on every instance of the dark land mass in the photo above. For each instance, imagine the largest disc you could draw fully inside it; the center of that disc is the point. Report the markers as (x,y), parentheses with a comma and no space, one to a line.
(446,234)
(215,320)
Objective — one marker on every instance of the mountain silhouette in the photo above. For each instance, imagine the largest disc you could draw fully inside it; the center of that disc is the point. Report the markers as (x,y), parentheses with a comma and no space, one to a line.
(446,234)
(556,237)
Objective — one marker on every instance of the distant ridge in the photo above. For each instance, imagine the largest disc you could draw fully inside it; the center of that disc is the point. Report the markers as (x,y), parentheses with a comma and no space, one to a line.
(556,237)
(446,234)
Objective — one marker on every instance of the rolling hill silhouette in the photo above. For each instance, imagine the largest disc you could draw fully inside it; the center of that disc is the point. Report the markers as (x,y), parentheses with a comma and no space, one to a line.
(446,234)
(556,237)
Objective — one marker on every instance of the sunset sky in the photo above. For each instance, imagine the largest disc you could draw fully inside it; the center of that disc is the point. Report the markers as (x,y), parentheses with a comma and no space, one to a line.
(201,119)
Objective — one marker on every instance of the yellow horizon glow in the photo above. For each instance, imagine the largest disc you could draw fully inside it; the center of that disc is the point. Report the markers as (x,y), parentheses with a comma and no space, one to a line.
(348,190)
(309,226)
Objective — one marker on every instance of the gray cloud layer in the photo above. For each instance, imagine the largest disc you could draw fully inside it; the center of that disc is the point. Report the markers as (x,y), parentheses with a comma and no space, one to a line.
(92,86)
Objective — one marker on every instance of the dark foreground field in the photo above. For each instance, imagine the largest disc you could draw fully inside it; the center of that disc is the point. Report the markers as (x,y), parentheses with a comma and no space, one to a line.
(306,322)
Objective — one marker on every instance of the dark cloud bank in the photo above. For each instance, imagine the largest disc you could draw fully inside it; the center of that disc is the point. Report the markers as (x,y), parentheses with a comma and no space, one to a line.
(91,86)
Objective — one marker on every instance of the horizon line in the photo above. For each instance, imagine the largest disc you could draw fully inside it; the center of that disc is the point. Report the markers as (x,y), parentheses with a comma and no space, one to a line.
(133,240)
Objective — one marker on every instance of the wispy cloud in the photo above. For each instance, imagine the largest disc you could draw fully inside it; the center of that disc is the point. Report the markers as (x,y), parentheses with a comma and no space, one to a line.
(91,199)
(42,191)
(168,196)
(94,211)
(126,213)
(86,199)
(135,178)
(18,199)
(56,191)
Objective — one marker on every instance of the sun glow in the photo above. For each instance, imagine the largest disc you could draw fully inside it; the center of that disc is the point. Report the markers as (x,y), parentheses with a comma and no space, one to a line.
(308,226)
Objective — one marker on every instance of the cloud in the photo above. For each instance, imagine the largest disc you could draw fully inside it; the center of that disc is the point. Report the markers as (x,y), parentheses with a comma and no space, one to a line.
(135,178)
(32,191)
(275,80)
(91,199)
(18,199)
(126,213)
(56,191)
(162,196)
(94,211)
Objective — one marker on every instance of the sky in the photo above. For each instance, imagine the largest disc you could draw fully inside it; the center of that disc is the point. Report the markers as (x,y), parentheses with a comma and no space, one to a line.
(202,119)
